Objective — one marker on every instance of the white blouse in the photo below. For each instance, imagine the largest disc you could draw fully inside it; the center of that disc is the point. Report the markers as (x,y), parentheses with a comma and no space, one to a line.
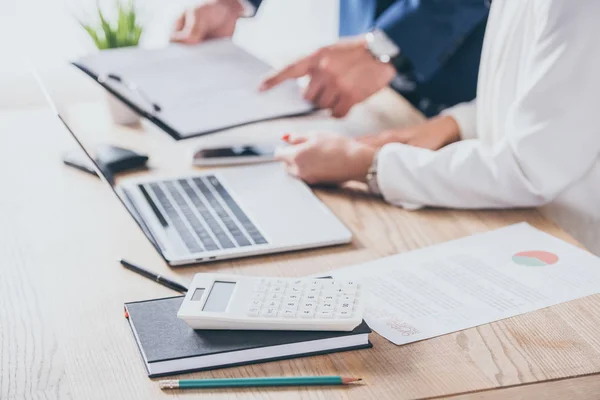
(533,134)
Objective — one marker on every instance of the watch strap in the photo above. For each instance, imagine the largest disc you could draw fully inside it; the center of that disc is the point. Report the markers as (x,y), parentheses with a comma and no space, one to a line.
(372,179)
(383,49)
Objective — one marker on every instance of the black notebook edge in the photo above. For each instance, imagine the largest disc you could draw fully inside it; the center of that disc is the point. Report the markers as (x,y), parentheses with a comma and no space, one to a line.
(168,129)
(260,361)
(368,345)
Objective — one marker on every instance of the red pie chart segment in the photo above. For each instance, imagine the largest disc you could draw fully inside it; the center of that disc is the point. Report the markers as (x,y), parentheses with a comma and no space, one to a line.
(535,258)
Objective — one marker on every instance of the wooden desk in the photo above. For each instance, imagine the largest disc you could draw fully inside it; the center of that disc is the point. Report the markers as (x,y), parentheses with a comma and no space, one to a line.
(62,331)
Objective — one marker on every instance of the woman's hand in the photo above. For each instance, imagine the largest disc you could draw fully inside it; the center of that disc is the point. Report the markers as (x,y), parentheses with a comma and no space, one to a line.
(432,134)
(326,158)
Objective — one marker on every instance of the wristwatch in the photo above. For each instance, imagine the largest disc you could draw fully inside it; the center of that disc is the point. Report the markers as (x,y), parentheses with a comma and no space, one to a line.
(386,51)
(371,179)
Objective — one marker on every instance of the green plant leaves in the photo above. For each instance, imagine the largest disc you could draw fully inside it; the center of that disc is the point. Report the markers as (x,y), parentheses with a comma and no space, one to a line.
(126,32)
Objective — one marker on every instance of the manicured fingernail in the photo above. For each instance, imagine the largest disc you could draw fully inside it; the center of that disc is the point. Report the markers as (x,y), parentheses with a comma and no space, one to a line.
(286,137)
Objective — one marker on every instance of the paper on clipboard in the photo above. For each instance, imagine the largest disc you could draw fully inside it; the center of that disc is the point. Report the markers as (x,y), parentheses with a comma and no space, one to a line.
(200,88)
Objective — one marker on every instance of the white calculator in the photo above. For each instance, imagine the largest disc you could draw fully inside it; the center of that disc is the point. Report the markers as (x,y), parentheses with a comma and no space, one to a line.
(216,301)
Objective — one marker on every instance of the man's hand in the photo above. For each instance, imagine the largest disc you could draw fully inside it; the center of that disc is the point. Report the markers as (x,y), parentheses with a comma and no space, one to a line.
(326,158)
(341,75)
(211,20)
(432,134)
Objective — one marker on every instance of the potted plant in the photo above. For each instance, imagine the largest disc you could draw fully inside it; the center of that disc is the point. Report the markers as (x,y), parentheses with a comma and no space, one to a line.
(123,31)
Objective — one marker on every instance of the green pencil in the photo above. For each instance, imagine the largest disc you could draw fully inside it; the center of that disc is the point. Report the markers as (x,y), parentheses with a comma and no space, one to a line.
(256,382)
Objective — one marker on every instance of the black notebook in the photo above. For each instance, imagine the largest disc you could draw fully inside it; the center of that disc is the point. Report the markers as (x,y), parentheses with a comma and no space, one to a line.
(194,90)
(169,346)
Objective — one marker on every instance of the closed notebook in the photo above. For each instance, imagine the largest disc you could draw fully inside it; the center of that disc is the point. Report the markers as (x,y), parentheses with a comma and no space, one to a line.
(199,89)
(169,346)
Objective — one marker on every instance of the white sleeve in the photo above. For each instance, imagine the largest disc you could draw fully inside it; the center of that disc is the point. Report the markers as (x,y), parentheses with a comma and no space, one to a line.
(249,8)
(552,137)
(465,115)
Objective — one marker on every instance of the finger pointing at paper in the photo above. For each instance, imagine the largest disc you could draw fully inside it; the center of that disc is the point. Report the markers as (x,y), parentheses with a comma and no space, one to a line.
(341,75)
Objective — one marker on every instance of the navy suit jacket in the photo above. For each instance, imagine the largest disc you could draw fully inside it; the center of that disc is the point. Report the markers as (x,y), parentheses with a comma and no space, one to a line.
(441,39)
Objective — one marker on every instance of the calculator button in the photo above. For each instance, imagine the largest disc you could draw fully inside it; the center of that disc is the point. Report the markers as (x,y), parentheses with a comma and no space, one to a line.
(315,282)
(278,282)
(255,303)
(276,289)
(313,290)
(287,313)
(294,290)
(329,297)
(345,306)
(274,296)
(307,313)
(310,298)
(327,306)
(343,314)
(253,312)
(347,299)
(268,312)
(290,304)
(308,305)
(293,297)
(297,282)
(330,283)
(273,304)
(324,314)
(257,296)
(261,288)
(330,293)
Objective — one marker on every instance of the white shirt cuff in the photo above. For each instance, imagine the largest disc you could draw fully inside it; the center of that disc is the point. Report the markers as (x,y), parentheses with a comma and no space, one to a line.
(389,184)
(249,9)
(465,115)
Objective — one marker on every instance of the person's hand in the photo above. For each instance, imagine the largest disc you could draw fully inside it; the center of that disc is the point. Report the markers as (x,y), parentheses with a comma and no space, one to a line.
(341,75)
(326,158)
(432,134)
(211,20)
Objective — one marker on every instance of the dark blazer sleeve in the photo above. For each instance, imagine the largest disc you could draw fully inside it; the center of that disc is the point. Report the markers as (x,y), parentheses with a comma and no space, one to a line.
(255,3)
(428,32)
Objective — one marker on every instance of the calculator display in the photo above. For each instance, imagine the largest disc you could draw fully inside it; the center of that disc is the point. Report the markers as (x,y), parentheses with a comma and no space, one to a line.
(197,296)
(219,296)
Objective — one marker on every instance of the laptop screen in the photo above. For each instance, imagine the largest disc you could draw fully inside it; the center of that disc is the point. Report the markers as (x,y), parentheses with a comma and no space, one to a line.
(101,170)
(104,173)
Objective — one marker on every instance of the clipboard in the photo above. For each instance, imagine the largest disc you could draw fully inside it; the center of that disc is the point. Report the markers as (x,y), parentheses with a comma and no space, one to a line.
(189,91)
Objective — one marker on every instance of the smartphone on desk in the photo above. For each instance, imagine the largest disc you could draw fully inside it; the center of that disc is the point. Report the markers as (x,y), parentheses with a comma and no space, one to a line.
(248,154)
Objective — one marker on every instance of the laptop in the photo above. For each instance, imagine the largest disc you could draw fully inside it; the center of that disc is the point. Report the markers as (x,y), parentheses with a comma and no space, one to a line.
(223,213)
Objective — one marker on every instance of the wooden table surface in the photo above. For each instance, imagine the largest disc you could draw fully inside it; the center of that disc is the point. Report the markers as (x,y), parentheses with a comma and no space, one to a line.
(62,330)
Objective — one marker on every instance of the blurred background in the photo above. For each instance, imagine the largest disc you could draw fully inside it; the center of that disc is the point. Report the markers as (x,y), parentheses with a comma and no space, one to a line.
(47,33)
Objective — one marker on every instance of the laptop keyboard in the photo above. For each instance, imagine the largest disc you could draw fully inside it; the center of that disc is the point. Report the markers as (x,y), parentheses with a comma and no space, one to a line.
(204,214)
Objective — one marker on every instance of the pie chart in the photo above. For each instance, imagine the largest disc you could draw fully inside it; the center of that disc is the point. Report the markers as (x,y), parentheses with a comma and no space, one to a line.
(535,258)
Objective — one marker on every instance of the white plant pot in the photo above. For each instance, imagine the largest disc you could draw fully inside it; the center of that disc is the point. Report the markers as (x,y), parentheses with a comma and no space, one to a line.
(120,112)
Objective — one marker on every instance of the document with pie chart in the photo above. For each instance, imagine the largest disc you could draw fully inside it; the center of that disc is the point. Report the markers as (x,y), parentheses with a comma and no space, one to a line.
(472,281)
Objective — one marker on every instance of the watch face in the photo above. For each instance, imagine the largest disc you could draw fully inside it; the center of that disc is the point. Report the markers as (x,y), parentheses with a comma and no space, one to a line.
(381,46)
